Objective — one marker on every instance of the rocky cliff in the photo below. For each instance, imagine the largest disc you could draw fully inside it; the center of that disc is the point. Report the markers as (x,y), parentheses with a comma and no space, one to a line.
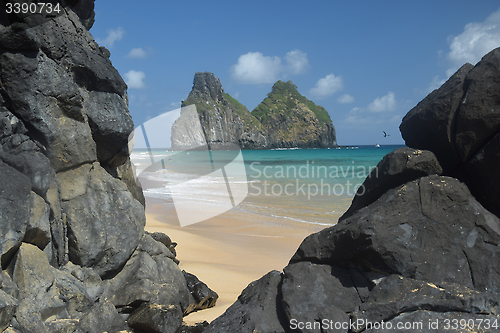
(291,120)
(285,119)
(225,122)
(74,254)
(418,250)
(460,123)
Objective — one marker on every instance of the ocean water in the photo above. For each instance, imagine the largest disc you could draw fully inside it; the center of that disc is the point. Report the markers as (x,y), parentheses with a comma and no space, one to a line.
(285,188)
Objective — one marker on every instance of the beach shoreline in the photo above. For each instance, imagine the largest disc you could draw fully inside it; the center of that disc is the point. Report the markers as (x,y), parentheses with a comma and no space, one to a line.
(259,234)
(225,252)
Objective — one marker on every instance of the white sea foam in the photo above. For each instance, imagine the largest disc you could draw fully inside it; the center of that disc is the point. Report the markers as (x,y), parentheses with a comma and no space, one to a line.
(275,211)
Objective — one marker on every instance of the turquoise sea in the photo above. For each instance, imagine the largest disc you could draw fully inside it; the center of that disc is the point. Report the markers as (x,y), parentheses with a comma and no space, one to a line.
(282,188)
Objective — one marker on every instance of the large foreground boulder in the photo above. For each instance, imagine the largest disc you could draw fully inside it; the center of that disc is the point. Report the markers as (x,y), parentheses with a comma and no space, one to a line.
(430,229)
(104,221)
(421,249)
(255,310)
(74,255)
(398,167)
(150,275)
(460,124)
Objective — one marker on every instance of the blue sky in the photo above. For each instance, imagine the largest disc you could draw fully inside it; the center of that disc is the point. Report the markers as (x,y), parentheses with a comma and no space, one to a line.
(367,62)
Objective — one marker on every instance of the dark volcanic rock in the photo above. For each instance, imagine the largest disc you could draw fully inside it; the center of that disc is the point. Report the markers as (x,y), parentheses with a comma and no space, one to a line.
(110,126)
(8,306)
(459,122)
(422,249)
(308,289)
(203,296)
(33,164)
(396,295)
(429,229)
(85,11)
(105,236)
(195,328)
(480,173)
(46,293)
(396,168)
(478,115)
(156,318)
(431,125)
(102,317)
(150,275)
(71,210)
(59,90)
(18,37)
(38,228)
(256,309)
(126,173)
(14,207)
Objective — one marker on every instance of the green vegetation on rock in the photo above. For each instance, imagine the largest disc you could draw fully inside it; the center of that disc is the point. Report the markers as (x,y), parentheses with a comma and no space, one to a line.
(285,99)
(201,104)
(284,118)
(243,112)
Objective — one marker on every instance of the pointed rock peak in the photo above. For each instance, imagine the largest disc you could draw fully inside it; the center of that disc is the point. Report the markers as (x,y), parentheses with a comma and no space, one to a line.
(284,86)
(207,85)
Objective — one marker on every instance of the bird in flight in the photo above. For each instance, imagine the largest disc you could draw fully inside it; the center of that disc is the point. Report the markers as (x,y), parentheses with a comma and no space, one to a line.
(385,134)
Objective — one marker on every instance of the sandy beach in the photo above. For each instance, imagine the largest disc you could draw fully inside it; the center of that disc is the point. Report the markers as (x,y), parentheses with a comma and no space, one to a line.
(228,252)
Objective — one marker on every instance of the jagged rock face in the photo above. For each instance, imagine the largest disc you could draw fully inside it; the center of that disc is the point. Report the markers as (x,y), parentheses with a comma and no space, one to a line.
(224,121)
(284,119)
(291,120)
(187,132)
(460,123)
(71,212)
(63,106)
(206,85)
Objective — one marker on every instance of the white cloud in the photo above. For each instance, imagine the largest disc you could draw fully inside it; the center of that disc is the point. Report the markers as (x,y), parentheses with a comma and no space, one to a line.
(137,53)
(135,79)
(385,103)
(113,36)
(476,40)
(255,68)
(327,86)
(345,99)
(297,61)
(380,111)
